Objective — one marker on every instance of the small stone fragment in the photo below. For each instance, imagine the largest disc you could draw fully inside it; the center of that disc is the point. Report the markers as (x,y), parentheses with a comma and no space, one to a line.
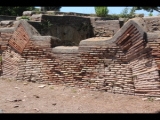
(157,99)
(41,86)
(25,83)
(54,104)
(36,96)
(144,99)
(36,109)
(16,106)
(16,87)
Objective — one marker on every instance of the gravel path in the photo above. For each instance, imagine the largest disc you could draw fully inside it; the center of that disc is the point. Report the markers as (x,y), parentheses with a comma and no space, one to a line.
(27,97)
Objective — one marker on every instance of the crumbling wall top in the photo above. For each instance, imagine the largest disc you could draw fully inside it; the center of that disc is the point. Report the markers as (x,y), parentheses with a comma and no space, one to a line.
(65,49)
(95,41)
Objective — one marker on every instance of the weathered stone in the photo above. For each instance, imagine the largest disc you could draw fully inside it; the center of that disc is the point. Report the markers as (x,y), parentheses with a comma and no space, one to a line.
(64,49)
(18,18)
(6,23)
(28,13)
(157,99)
(36,17)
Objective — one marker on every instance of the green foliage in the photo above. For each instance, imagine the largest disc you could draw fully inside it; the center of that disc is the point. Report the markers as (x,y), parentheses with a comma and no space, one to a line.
(149,9)
(101,11)
(151,99)
(14,11)
(124,13)
(45,25)
(25,17)
(132,11)
(128,14)
(150,14)
(36,10)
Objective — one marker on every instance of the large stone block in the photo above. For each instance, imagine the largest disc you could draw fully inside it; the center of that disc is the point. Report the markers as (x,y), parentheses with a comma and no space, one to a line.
(28,13)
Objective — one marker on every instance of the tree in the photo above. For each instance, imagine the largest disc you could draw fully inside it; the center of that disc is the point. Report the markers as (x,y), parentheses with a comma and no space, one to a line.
(150,14)
(14,11)
(132,11)
(51,8)
(101,11)
(126,13)
(149,9)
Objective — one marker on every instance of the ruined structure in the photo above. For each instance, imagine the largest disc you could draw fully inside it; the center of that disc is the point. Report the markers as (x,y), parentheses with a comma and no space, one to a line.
(127,62)
(71,28)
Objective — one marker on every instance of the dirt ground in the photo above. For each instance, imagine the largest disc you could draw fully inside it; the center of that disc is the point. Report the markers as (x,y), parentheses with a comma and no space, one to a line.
(27,97)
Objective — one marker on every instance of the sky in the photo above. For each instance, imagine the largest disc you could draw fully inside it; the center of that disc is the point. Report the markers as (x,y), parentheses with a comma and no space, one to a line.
(112,10)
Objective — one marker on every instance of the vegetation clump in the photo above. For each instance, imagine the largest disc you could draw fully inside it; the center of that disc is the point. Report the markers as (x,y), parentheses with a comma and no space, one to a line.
(25,17)
(101,11)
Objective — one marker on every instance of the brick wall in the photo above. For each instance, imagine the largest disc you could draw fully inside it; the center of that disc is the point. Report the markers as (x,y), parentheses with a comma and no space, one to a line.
(10,59)
(126,63)
(104,27)
(153,23)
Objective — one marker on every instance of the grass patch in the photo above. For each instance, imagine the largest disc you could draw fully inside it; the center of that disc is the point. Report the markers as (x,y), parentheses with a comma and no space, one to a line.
(151,99)
(52,87)
(25,17)
(74,91)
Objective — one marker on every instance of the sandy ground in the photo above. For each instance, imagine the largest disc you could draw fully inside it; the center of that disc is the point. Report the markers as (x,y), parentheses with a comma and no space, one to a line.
(27,97)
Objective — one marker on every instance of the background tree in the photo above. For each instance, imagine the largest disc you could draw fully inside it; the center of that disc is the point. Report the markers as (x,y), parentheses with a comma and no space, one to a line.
(51,8)
(128,14)
(14,11)
(149,9)
(101,11)
(150,14)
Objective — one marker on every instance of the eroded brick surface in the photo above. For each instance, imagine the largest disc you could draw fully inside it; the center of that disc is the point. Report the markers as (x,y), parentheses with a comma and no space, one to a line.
(126,63)
(19,39)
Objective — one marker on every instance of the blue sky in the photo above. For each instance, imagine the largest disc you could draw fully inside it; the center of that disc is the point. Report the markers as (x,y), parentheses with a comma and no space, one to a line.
(112,10)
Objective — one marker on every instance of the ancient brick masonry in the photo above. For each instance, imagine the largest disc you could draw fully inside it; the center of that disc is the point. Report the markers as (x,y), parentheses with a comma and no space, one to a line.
(35,64)
(145,72)
(19,39)
(104,28)
(126,63)
(5,36)
(108,69)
